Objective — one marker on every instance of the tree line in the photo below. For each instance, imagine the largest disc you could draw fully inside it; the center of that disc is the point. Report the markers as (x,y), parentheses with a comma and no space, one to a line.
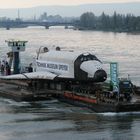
(116,22)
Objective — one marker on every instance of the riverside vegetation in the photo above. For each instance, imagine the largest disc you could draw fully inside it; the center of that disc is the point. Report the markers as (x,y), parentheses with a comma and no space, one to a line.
(116,22)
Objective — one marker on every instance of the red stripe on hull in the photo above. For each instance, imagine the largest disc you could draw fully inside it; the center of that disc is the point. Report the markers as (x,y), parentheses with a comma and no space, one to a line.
(80,98)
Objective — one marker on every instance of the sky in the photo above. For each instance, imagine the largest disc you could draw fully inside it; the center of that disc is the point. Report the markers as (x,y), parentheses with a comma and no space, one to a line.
(32,3)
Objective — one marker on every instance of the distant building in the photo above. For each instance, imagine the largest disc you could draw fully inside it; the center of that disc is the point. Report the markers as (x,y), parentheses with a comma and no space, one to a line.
(43,17)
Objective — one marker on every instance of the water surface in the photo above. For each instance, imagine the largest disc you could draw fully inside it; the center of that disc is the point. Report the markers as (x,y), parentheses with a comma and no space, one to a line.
(54,120)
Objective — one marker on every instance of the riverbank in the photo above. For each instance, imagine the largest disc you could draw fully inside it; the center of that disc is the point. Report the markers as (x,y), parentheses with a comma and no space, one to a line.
(109,30)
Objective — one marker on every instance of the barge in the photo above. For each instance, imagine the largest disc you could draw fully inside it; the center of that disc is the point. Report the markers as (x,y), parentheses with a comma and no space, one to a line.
(77,78)
(95,96)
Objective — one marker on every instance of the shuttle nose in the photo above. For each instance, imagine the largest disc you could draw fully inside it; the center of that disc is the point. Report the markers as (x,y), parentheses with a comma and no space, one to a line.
(100,76)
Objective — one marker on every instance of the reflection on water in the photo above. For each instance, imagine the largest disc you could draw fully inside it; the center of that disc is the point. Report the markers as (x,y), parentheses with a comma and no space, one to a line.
(54,120)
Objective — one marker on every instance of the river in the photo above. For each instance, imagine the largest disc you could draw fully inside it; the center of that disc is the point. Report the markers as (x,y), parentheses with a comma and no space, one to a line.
(54,120)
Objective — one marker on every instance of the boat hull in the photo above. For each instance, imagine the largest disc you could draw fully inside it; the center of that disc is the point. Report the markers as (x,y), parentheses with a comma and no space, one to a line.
(100,107)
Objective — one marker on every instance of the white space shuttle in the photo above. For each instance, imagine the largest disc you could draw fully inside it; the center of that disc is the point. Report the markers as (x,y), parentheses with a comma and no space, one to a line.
(61,65)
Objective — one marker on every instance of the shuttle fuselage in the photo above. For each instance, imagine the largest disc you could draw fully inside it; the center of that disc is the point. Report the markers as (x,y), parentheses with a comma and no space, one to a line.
(72,65)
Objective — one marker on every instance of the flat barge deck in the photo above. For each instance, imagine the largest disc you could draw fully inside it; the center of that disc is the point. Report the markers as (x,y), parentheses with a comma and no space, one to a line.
(16,93)
(90,101)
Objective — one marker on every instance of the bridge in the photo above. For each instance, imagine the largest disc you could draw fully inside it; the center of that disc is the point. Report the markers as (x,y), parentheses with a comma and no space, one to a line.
(20,24)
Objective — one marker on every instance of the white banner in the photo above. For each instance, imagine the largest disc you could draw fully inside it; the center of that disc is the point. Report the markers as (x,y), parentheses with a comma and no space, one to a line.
(53,66)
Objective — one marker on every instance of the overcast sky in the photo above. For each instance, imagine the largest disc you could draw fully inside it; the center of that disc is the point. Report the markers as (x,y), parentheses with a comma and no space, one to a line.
(32,3)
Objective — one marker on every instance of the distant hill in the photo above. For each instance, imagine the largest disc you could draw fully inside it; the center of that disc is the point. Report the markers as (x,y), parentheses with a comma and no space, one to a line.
(69,11)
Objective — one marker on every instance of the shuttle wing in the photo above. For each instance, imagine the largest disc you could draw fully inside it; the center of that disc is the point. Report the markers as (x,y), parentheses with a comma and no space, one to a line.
(32,75)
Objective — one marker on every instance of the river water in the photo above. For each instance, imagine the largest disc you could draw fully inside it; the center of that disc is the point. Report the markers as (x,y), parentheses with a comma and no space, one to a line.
(54,120)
